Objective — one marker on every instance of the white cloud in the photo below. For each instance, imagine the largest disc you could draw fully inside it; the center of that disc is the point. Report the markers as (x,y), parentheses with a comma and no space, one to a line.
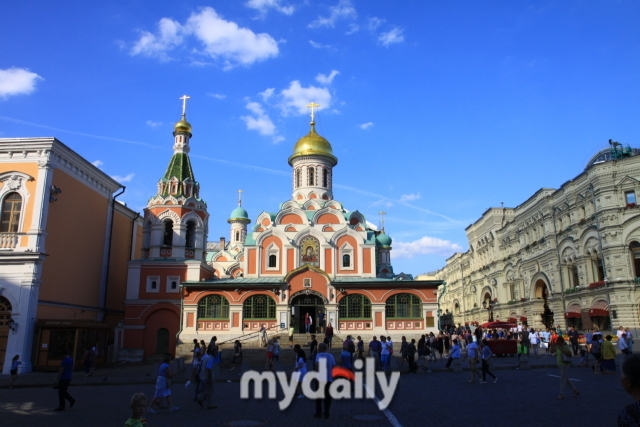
(296,98)
(344,9)
(352,29)
(97,163)
(156,45)
(391,37)
(320,45)
(409,197)
(366,126)
(226,40)
(122,179)
(267,93)
(382,202)
(263,6)
(424,246)
(327,80)
(221,40)
(374,23)
(261,122)
(217,95)
(153,124)
(17,81)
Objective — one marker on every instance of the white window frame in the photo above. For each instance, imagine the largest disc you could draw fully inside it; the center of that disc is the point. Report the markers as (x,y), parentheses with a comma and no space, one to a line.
(347,249)
(173,279)
(151,279)
(273,249)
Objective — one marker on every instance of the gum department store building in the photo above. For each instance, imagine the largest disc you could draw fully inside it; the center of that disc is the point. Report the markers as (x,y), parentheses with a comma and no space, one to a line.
(568,257)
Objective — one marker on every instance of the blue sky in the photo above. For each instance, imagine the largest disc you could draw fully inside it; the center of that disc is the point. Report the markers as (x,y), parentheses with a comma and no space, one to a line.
(437,110)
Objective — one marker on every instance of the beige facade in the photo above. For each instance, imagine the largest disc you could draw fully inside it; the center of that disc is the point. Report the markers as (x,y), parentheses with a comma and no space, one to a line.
(562,257)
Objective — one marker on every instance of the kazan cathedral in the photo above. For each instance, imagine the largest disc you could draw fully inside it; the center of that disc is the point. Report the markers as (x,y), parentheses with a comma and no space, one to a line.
(310,255)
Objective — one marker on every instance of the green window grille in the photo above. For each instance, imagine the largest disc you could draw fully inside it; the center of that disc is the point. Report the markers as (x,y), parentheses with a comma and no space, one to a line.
(259,307)
(213,307)
(355,307)
(404,306)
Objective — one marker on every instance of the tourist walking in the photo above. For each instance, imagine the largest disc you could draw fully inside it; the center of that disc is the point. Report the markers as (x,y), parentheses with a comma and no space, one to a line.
(14,369)
(608,356)
(321,317)
(163,385)
(629,339)
(574,336)
(88,360)
(196,366)
(328,334)
(237,355)
(308,321)
(596,351)
(384,353)
(269,355)
(403,350)
(440,344)
(300,368)
(63,380)
(534,339)
(329,362)
(523,346)
(472,355)
(623,344)
(291,332)
(374,351)
(360,348)
(431,342)
(487,360)
(455,354)
(313,348)
(411,354)
(207,381)
(563,355)
(345,358)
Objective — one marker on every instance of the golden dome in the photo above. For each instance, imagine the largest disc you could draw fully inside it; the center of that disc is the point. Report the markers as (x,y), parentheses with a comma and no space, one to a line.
(182,126)
(313,144)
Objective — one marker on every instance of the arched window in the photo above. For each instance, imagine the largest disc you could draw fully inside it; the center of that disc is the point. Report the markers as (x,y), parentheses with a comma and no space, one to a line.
(355,306)
(146,239)
(259,307)
(346,260)
(634,247)
(311,174)
(11,208)
(401,306)
(5,312)
(213,307)
(168,233)
(298,177)
(190,237)
(273,261)
(325,177)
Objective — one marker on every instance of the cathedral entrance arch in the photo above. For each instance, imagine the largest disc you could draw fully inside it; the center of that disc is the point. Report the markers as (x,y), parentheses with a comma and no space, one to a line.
(307,301)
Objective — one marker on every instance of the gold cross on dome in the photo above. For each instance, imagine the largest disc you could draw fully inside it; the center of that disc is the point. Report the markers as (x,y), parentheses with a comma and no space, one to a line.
(184,103)
(382,214)
(312,106)
(239,197)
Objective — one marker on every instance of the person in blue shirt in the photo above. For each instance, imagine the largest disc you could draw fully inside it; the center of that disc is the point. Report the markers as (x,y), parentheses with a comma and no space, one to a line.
(329,362)
(345,357)
(63,380)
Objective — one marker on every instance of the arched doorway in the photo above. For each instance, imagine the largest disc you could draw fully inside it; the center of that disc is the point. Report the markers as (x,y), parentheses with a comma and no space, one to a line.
(5,315)
(162,341)
(306,303)
(542,292)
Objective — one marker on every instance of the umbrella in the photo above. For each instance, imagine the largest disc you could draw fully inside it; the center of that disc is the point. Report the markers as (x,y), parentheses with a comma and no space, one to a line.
(498,324)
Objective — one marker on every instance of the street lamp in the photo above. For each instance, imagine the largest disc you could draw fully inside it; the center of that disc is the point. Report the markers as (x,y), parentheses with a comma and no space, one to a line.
(489,306)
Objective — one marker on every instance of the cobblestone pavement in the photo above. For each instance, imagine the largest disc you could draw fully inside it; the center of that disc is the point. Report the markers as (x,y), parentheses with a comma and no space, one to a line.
(519,398)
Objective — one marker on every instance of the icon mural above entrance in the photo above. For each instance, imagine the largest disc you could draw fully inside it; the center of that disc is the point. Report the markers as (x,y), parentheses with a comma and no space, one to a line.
(310,252)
